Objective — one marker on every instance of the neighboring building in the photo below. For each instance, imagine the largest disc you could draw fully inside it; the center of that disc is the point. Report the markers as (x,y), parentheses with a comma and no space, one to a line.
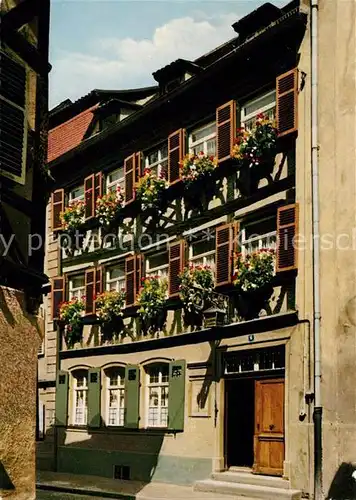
(182,403)
(24,193)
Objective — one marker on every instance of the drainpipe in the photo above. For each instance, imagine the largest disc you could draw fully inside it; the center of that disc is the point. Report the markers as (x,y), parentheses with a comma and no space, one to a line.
(317,416)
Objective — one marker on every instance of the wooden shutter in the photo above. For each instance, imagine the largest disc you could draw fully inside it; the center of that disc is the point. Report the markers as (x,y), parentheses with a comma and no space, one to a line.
(99,271)
(138,273)
(98,186)
(129,172)
(138,166)
(287,229)
(13,122)
(176,152)
(89,195)
(176,264)
(57,206)
(287,102)
(89,290)
(132,396)
(176,395)
(226,244)
(130,278)
(57,295)
(94,396)
(61,411)
(225,130)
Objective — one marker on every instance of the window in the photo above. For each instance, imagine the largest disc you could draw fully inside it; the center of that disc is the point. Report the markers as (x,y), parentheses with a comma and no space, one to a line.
(115,278)
(257,235)
(203,139)
(115,179)
(157,265)
(41,419)
(115,396)
(158,384)
(76,287)
(76,194)
(157,160)
(265,104)
(202,251)
(80,397)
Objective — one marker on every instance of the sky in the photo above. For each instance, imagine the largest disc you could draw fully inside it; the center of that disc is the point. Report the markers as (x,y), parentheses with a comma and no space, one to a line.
(117,44)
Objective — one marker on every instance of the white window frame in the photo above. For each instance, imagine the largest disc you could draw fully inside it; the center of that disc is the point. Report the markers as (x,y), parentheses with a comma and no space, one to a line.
(260,239)
(112,185)
(202,256)
(161,271)
(157,164)
(119,388)
(110,281)
(159,386)
(73,290)
(73,199)
(76,391)
(246,118)
(203,141)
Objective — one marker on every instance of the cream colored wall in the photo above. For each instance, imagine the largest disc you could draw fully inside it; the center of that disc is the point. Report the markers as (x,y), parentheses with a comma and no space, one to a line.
(337,123)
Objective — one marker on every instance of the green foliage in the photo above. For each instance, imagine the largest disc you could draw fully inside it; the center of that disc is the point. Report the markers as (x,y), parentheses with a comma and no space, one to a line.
(150,189)
(70,315)
(152,299)
(191,278)
(195,167)
(254,271)
(73,216)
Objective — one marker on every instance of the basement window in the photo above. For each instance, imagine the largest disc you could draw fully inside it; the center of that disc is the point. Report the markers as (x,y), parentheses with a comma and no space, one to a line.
(122,472)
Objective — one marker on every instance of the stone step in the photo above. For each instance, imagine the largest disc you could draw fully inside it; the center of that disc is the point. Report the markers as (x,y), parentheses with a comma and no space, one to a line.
(235,476)
(247,490)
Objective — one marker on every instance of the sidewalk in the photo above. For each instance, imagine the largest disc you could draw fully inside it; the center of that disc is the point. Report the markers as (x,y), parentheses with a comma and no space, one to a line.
(117,489)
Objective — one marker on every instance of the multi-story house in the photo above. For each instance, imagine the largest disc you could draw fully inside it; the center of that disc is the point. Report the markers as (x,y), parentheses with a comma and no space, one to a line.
(226,383)
(24,190)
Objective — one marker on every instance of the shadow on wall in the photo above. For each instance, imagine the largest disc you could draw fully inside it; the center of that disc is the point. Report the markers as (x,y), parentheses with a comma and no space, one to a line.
(343,486)
(5,481)
(111,453)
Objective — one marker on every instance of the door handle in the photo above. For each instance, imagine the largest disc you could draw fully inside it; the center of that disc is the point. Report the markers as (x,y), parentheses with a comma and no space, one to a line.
(271,427)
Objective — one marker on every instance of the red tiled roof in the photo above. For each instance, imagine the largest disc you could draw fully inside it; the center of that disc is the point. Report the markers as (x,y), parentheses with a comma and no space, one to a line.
(69,134)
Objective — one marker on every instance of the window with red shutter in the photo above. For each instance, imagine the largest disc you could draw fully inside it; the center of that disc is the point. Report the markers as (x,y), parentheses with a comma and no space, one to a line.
(225,130)
(176,152)
(129,172)
(58,295)
(130,277)
(139,273)
(89,290)
(57,206)
(89,196)
(176,264)
(226,244)
(98,188)
(287,102)
(98,283)
(287,229)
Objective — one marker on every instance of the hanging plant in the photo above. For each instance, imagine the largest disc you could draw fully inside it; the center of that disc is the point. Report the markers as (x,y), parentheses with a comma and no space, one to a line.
(150,189)
(197,167)
(109,309)
(253,277)
(196,284)
(108,207)
(257,146)
(73,216)
(152,299)
(70,316)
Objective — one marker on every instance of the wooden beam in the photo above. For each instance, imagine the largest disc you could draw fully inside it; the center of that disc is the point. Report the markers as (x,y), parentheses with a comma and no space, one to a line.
(22,14)
(37,61)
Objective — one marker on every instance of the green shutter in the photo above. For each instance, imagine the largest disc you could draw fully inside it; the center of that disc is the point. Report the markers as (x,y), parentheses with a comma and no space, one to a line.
(61,398)
(94,396)
(132,396)
(176,397)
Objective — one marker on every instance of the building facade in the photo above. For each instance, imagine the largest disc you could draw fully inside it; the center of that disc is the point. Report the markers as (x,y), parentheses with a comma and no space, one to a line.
(231,385)
(24,189)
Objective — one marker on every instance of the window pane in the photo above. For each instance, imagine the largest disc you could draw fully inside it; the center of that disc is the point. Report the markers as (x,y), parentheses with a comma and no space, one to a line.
(153,157)
(257,104)
(203,246)
(77,193)
(116,175)
(164,151)
(116,272)
(77,282)
(203,132)
(211,147)
(157,260)
(260,228)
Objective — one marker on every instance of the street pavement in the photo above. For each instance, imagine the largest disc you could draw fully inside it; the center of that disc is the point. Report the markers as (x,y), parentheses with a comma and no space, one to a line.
(55,495)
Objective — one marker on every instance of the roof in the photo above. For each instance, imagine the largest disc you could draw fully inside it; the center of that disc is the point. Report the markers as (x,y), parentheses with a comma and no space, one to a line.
(69,134)
(174,69)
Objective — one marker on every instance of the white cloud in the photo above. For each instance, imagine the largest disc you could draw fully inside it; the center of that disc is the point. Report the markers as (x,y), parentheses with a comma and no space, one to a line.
(128,62)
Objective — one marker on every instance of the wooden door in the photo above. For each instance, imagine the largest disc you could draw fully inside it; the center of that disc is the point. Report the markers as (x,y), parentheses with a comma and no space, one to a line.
(269,427)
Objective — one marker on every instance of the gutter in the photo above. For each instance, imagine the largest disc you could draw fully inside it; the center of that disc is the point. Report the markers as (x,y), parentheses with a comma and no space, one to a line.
(166,99)
(318,410)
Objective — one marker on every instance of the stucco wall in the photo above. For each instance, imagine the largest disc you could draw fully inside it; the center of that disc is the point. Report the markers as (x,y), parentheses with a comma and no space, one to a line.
(19,340)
